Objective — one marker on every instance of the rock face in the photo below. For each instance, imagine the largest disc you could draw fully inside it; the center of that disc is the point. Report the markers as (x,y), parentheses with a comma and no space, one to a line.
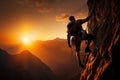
(103,62)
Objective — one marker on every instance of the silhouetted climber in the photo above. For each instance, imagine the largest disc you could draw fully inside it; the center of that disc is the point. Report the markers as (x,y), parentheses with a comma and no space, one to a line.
(74,29)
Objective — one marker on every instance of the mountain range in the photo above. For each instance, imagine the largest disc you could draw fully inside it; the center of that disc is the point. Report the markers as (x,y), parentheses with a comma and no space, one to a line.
(23,66)
(60,60)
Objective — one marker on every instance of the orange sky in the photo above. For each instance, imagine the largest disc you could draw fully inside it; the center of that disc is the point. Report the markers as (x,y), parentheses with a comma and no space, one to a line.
(37,19)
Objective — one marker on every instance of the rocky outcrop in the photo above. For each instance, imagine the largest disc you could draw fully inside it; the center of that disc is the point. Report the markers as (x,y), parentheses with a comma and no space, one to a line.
(103,62)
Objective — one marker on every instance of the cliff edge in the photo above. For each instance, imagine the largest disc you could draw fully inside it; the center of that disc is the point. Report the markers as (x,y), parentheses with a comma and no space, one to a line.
(103,62)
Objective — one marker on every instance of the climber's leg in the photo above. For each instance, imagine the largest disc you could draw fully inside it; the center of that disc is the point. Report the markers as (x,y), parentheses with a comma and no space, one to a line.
(78,56)
(87,49)
(77,44)
(89,39)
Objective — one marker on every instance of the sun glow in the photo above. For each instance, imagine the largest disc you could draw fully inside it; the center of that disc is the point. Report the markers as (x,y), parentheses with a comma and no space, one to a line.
(26,40)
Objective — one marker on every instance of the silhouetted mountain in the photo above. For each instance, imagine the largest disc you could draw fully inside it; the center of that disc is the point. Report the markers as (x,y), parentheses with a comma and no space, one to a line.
(103,63)
(23,66)
(58,56)
(4,67)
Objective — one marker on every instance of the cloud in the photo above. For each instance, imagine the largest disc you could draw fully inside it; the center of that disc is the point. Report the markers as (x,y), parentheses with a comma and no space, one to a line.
(44,10)
(40,3)
(44,6)
(62,17)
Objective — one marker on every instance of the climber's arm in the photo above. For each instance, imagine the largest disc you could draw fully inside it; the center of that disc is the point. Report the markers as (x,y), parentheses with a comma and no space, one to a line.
(87,18)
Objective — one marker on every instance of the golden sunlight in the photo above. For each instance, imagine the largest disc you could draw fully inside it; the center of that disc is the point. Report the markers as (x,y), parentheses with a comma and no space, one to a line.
(26,40)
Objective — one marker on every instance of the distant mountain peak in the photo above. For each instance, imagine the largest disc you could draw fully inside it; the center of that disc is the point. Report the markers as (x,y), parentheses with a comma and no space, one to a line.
(26,51)
(26,54)
(25,66)
(3,52)
(57,38)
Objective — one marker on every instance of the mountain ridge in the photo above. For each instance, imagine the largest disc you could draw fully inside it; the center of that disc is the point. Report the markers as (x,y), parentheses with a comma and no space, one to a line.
(24,66)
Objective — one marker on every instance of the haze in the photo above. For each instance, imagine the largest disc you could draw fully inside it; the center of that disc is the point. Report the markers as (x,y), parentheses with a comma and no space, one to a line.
(37,19)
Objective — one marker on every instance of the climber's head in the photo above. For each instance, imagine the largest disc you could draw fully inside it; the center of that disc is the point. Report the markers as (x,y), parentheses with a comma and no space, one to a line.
(71,18)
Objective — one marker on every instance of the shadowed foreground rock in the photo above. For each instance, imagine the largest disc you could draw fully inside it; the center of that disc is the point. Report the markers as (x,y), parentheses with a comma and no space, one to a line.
(103,63)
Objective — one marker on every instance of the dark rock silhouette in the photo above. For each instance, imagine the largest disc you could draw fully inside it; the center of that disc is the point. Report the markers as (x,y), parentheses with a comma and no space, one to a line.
(103,63)
(23,66)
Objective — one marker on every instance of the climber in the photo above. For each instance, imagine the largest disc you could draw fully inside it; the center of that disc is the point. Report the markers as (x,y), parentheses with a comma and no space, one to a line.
(74,29)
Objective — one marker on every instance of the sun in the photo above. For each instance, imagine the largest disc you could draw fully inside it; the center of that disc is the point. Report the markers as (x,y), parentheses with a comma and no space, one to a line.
(26,40)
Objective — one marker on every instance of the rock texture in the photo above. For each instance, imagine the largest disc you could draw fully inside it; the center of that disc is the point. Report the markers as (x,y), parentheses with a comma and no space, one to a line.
(103,62)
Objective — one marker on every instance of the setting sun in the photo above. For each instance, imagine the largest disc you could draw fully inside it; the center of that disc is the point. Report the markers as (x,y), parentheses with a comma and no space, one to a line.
(26,40)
